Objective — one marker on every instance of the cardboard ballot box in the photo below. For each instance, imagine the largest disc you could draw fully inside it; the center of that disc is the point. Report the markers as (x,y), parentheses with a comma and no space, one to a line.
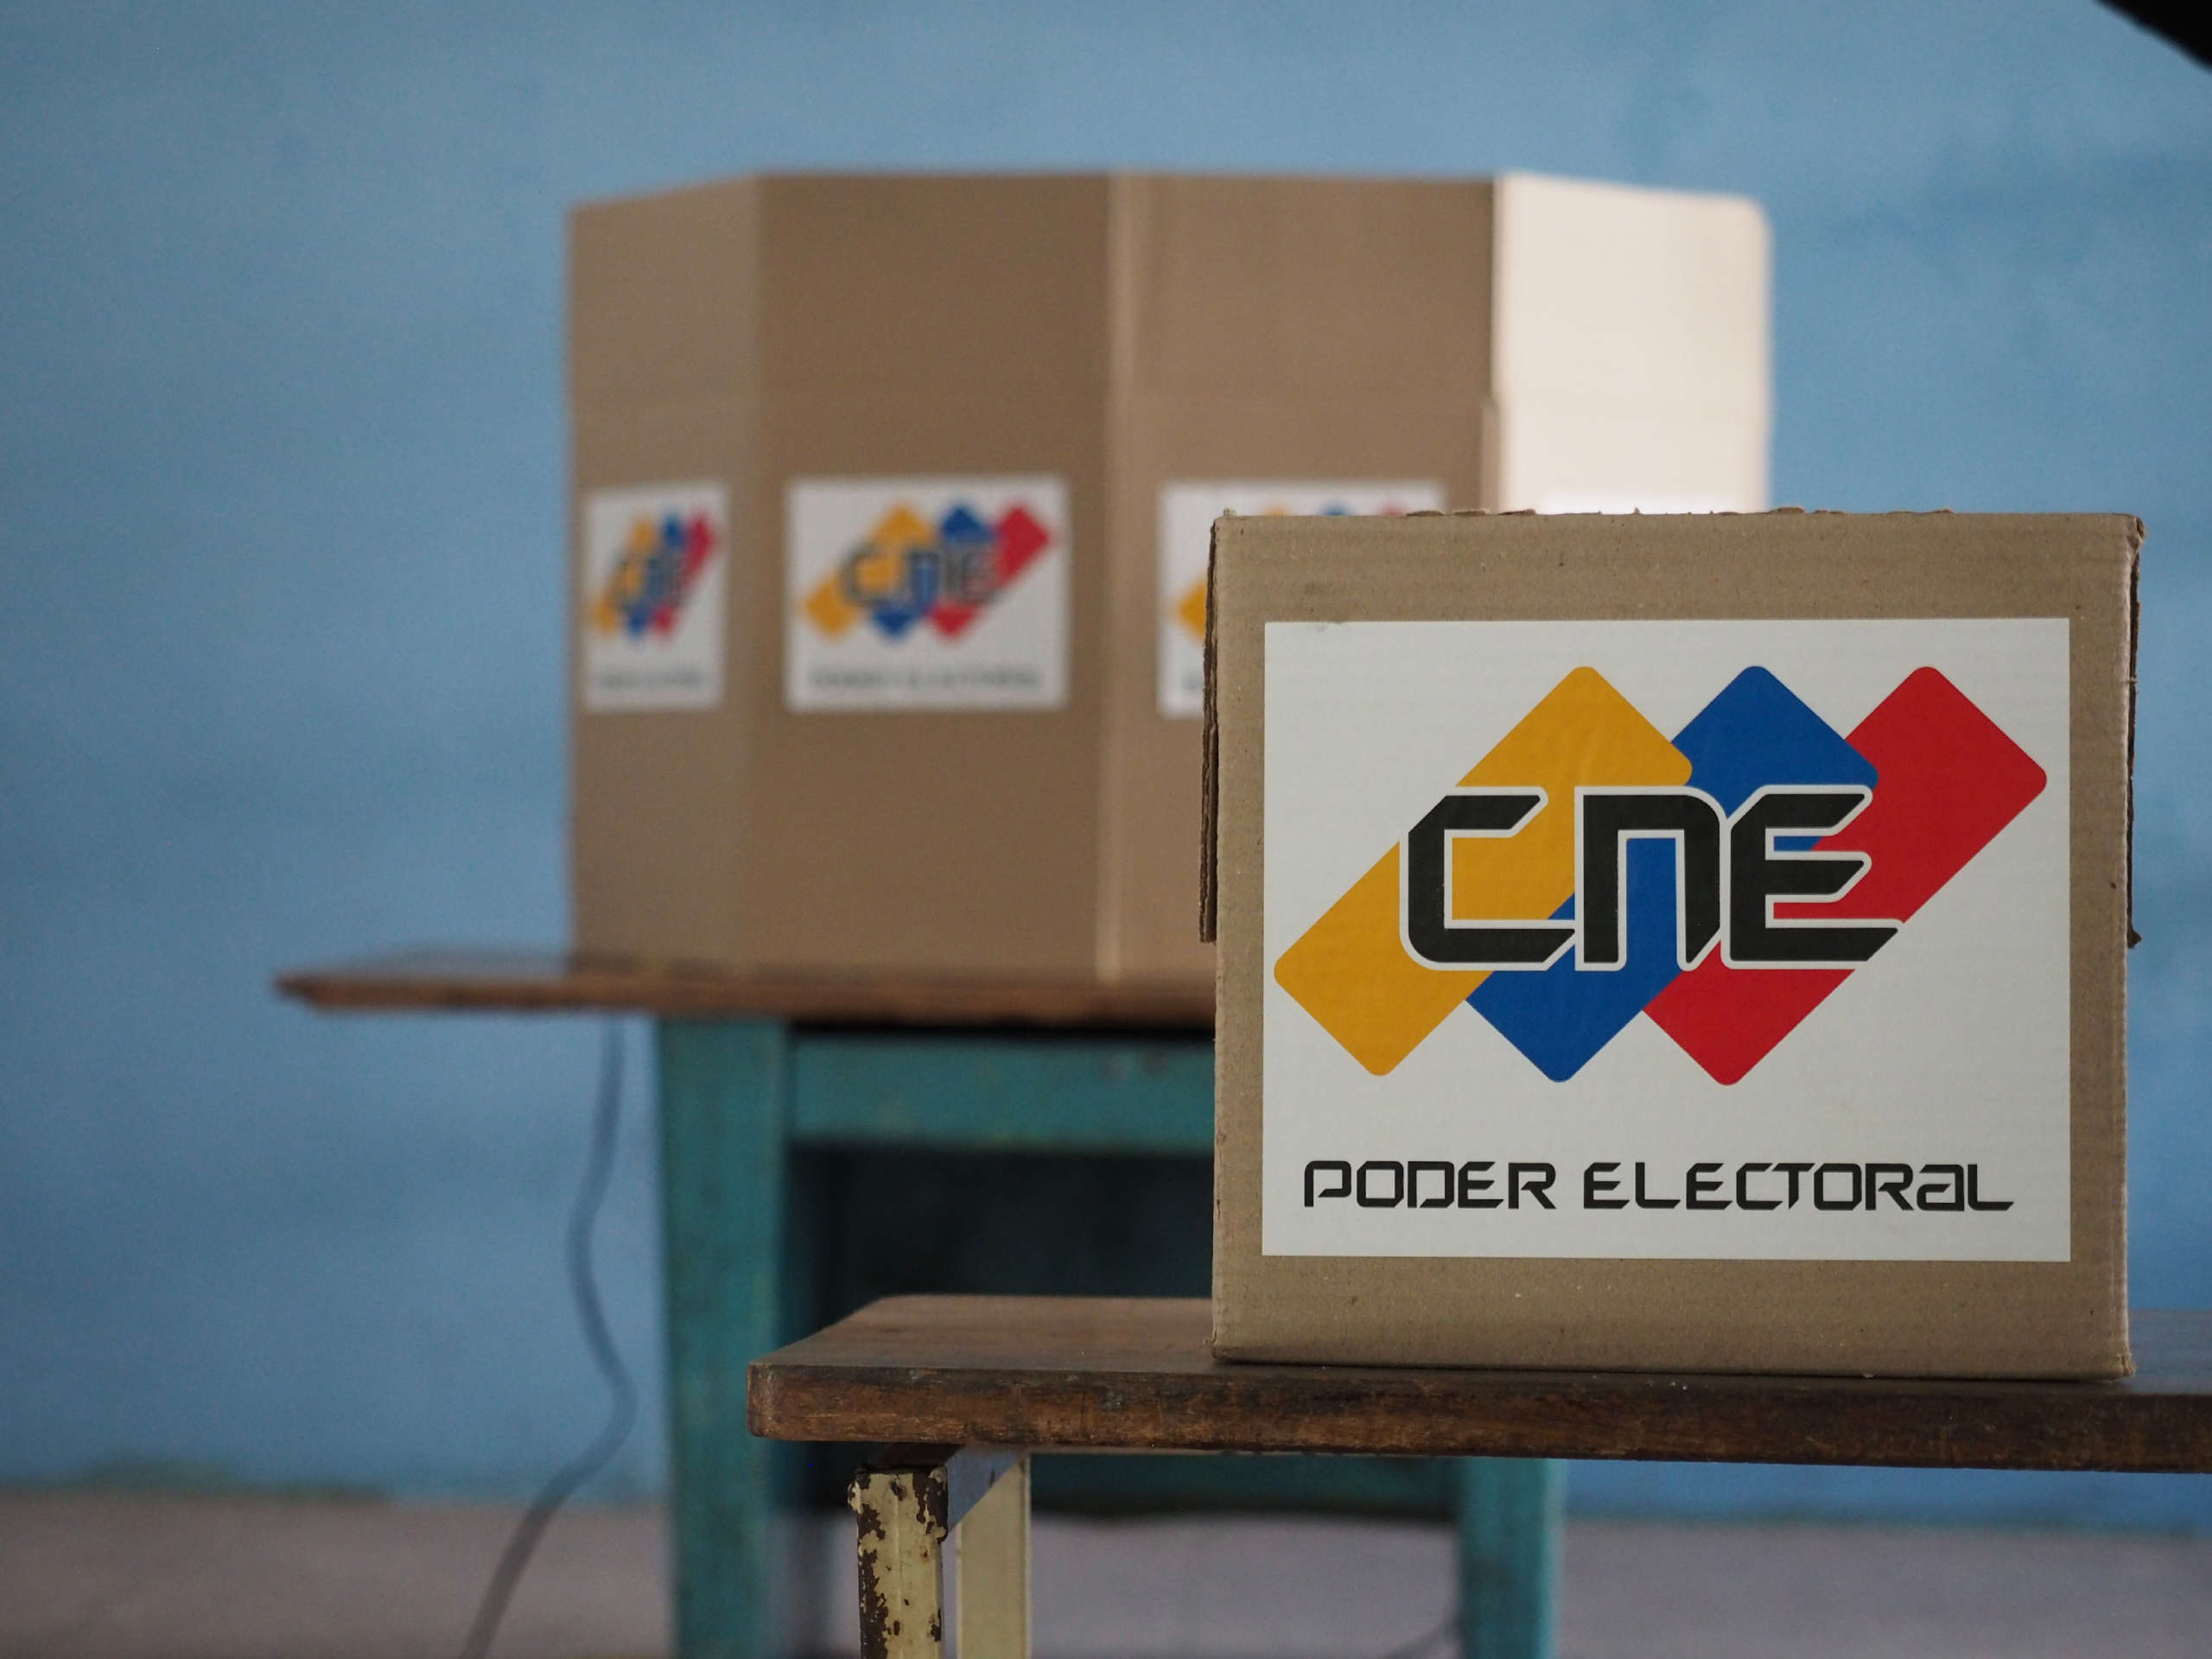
(1690,943)
(893,498)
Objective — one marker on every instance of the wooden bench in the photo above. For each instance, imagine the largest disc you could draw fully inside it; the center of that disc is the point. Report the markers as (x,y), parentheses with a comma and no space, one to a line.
(961,1388)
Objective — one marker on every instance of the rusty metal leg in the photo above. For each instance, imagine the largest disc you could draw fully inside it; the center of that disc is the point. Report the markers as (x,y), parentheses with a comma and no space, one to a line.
(901,1514)
(907,1501)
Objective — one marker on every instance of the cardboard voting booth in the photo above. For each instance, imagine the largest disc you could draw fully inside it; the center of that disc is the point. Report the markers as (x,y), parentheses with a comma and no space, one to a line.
(893,498)
(1687,943)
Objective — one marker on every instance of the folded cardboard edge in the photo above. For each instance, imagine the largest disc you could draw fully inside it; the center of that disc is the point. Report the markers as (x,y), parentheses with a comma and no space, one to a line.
(2137,534)
(1210,756)
(1210,736)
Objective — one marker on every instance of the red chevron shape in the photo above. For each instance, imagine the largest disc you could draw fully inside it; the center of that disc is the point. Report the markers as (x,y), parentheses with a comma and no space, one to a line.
(1948,783)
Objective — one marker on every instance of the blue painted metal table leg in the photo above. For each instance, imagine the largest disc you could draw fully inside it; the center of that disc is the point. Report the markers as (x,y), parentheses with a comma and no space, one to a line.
(723,1119)
(1511,1525)
(732,1100)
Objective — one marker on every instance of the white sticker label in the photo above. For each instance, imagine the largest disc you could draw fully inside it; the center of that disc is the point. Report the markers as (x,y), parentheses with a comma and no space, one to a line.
(1723,940)
(1187,516)
(653,614)
(926,593)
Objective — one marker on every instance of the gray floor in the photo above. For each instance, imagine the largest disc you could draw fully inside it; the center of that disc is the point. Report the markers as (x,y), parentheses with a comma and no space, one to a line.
(86,1576)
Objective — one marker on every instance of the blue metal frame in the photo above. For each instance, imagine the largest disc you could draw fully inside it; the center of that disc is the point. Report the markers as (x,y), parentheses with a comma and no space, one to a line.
(736,1095)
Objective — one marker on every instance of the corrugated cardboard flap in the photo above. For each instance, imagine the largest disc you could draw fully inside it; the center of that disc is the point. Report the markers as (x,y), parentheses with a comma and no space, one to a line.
(1210,762)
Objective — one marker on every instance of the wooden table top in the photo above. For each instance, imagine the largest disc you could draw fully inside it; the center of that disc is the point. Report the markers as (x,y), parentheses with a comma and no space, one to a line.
(549,981)
(1084,1372)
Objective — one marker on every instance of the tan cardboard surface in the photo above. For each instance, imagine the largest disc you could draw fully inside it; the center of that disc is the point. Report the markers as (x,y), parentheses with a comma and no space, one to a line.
(907,327)
(659,801)
(664,295)
(1152,799)
(1287,284)
(1119,333)
(914,840)
(1267,329)
(940,281)
(2056,1318)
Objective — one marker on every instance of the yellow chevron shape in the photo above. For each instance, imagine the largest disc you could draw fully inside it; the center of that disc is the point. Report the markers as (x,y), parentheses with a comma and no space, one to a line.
(879,569)
(1349,969)
(1191,611)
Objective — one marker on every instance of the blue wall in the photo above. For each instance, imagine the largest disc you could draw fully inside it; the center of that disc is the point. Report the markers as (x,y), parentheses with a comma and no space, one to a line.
(281,476)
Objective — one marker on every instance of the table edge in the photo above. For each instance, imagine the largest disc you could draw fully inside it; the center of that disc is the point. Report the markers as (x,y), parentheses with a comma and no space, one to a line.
(523,982)
(2142,1425)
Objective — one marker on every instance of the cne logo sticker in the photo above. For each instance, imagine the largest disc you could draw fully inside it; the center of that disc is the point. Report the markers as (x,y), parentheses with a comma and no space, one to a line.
(663,558)
(651,604)
(1186,514)
(1687,940)
(942,575)
(1721,882)
(926,594)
